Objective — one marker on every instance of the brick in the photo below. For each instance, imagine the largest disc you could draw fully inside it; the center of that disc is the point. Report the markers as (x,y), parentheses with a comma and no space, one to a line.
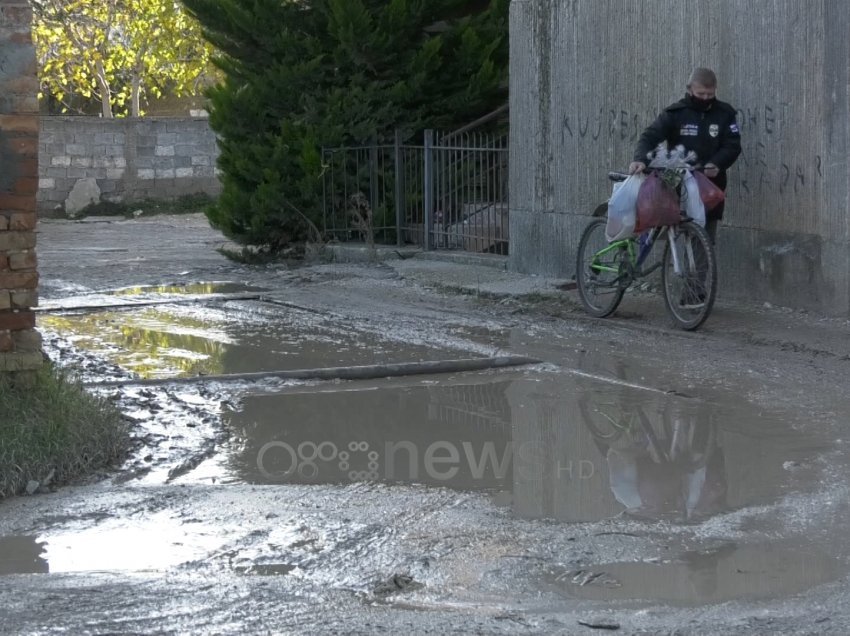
(5,300)
(17,202)
(23,146)
(27,340)
(23,260)
(23,221)
(27,167)
(25,186)
(19,123)
(25,85)
(17,320)
(4,263)
(4,222)
(7,343)
(18,280)
(16,241)
(24,299)
(21,361)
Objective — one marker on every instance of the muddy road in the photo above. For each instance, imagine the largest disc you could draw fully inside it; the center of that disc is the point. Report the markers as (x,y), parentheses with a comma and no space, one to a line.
(558,475)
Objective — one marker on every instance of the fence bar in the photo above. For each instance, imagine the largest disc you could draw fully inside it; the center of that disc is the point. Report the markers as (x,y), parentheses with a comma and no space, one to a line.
(399,187)
(428,186)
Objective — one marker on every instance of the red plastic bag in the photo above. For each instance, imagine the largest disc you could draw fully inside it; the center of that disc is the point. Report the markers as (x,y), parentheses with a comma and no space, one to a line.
(657,204)
(711,195)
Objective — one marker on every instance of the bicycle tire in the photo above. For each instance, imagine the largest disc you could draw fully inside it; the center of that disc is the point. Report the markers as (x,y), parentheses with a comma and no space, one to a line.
(588,281)
(689,296)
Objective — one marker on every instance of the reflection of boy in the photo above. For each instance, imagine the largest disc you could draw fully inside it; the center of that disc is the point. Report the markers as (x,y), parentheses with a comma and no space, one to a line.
(667,489)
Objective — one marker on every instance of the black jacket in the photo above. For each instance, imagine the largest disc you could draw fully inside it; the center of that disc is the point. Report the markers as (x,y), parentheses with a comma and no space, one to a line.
(711,133)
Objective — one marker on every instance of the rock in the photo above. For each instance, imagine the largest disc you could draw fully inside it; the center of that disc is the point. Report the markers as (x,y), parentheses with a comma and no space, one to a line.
(32,486)
(84,193)
(396,583)
(138,213)
(600,623)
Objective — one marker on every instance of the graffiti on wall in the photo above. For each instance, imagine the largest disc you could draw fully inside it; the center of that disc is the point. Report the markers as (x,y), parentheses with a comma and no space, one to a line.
(764,165)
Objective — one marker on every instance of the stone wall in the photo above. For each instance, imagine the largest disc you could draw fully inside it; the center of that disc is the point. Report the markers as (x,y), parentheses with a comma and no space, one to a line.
(588,75)
(126,159)
(20,344)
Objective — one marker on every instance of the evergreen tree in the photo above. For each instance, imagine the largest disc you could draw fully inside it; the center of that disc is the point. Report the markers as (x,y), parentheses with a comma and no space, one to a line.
(305,73)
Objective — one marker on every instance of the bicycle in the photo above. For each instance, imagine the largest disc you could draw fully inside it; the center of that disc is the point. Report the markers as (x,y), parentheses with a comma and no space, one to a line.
(604,271)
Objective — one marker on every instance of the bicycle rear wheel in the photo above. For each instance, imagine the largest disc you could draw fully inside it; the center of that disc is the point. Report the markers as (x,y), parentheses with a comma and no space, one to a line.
(600,271)
(690,292)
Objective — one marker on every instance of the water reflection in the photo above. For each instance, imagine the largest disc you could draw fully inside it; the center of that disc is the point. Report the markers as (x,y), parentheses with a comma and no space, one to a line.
(190,289)
(184,340)
(667,466)
(549,445)
(157,542)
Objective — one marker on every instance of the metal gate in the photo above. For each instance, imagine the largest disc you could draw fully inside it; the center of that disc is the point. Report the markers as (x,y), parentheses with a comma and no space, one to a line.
(450,192)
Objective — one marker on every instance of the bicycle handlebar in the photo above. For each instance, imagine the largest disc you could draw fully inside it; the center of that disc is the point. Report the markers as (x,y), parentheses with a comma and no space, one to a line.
(622,176)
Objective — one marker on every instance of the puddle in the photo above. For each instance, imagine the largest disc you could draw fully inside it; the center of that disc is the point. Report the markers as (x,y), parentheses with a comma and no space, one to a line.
(156,543)
(548,445)
(738,573)
(189,289)
(168,341)
(22,555)
(150,295)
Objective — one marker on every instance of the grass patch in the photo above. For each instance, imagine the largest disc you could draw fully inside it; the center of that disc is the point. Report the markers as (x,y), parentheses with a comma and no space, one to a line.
(51,426)
(186,204)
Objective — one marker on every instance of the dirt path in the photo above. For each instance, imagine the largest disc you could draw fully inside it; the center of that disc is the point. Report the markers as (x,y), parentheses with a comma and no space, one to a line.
(637,477)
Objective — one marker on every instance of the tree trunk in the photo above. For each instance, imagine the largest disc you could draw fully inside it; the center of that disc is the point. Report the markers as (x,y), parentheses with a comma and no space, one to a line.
(105,93)
(135,110)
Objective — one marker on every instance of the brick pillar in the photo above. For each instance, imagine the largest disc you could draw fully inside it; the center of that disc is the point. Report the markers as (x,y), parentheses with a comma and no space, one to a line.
(20,343)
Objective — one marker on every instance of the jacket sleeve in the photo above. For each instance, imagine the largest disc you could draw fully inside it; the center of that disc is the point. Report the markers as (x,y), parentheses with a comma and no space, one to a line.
(730,145)
(655,133)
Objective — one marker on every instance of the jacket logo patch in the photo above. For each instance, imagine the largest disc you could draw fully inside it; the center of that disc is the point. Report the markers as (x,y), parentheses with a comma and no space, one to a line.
(714,130)
(689,130)
(733,128)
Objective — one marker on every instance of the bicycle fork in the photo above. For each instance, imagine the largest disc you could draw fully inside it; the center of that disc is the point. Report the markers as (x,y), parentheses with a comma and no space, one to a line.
(677,257)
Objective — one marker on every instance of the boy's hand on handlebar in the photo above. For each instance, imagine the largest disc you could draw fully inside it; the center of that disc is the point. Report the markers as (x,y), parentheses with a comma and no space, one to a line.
(710,170)
(636,166)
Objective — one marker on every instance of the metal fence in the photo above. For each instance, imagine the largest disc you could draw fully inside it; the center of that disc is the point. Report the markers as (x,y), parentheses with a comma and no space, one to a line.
(450,192)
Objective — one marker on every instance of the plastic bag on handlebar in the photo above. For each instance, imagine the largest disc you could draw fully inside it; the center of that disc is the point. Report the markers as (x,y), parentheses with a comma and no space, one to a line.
(657,204)
(621,208)
(694,207)
(711,195)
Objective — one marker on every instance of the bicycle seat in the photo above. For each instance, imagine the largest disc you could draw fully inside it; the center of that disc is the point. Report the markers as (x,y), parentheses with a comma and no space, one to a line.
(618,176)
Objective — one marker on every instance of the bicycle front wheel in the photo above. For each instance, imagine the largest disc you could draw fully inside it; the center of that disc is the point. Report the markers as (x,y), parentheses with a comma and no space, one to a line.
(689,275)
(600,268)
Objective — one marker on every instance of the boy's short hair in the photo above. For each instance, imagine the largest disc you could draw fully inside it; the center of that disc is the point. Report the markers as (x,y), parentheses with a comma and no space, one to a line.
(703,77)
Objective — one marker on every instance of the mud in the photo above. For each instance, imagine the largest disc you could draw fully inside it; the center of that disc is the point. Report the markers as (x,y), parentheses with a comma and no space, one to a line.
(640,478)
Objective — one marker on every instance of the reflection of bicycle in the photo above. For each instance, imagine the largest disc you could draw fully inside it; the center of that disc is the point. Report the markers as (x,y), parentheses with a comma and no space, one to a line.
(688,268)
(669,439)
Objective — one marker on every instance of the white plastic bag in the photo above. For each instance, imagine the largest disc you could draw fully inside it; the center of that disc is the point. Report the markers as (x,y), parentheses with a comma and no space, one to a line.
(694,206)
(622,208)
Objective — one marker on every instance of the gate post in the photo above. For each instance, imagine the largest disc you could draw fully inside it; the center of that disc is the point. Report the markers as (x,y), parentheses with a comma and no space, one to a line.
(20,343)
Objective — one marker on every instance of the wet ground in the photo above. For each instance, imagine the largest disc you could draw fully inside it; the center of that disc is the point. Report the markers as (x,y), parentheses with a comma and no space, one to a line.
(557,475)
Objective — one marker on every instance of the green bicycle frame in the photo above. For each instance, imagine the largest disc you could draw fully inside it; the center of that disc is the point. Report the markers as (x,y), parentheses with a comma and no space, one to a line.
(628,243)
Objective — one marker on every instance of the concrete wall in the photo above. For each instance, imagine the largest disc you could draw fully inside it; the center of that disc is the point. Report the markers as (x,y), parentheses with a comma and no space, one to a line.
(588,75)
(20,344)
(131,159)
